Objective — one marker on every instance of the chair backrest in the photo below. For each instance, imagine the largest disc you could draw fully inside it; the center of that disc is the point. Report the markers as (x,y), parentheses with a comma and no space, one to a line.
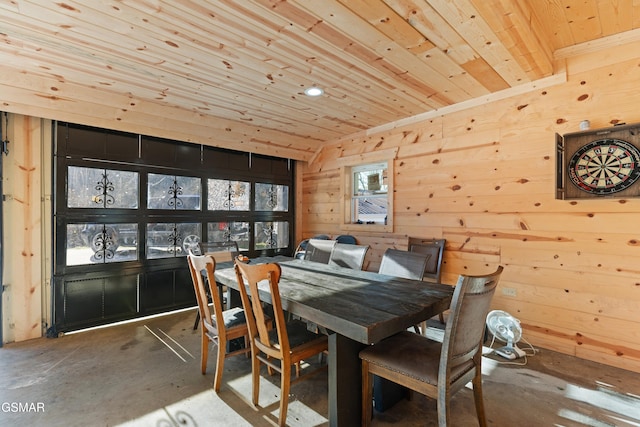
(221,251)
(434,247)
(206,263)
(300,250)
(302,246)
(251,275)
(319,250)
(347,239)
(348,255)
(464,332)
(409,265)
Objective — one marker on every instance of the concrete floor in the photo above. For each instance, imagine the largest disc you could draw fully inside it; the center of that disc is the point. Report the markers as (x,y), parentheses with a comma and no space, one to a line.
(127,376)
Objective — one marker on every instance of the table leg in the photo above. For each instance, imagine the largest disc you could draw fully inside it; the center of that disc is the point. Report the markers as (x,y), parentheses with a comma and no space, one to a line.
(233,298)
(344,381)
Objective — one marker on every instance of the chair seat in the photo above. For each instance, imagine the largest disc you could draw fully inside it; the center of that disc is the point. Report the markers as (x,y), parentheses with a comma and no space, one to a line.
(407,353)
(234,317)
(411,355)
(298,334)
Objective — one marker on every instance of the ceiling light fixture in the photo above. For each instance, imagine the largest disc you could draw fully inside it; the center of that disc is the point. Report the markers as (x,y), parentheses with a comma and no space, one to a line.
(313,91)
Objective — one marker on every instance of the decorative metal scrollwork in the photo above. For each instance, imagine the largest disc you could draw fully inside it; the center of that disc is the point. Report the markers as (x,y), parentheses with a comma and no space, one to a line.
(104,244)
(271,242)
(226,234)
(174,191)
(272,196)
(175,241)
(104,186)
(233,193)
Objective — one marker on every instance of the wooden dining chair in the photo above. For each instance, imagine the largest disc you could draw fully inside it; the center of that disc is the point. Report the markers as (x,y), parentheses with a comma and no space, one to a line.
(221,252)
(319,250)
(219,326)
(288,344)
(437,370)
(408,265)
(348,255)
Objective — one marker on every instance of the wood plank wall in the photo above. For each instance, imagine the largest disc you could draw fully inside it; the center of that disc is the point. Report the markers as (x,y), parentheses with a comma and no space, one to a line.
(483,179)
(26,228)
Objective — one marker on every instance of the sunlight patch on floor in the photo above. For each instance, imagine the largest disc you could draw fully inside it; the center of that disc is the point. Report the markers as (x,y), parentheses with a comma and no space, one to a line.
(608,399)
(196,410)
(207,408)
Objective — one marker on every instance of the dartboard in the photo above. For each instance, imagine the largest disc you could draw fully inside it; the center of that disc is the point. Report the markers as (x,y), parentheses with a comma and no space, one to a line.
(605,166)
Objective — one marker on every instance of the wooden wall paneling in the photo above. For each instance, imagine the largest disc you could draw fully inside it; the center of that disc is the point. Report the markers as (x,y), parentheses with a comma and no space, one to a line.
(577,326)
(572,297)
(622,245)
(616,354)
(565,258)
(24,222)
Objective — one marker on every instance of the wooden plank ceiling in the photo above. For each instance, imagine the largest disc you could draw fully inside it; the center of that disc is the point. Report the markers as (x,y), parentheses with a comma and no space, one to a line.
(232,73)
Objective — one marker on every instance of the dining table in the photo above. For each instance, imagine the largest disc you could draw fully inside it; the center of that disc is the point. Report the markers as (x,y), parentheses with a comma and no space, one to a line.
(355,308)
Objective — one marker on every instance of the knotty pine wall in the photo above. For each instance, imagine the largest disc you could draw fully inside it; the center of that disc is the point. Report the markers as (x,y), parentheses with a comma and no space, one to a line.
(483,179)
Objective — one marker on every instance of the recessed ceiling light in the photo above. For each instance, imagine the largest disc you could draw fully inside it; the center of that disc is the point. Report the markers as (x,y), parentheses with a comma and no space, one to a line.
(313,91)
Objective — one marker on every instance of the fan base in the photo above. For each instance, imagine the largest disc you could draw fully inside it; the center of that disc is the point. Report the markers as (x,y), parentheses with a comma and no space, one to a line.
(510,353)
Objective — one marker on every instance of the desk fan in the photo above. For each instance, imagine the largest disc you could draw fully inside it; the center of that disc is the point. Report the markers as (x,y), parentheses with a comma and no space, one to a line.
(506,328)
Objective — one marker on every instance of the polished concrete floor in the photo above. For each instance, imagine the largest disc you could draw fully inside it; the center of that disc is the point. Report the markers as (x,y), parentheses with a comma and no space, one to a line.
(147,374)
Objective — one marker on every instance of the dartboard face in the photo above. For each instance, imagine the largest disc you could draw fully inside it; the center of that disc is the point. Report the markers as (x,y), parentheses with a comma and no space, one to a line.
(605,166)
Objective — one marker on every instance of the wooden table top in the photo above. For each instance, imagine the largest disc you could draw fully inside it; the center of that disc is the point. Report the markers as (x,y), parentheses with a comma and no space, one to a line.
(361,305)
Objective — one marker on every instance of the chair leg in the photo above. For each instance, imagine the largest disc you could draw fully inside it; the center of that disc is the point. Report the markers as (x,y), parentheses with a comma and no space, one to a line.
(443,410)
(255,378)
(195,324)
(270,370)
(220,356)
(477,397)
(204,352)
(285,386)
(367,395)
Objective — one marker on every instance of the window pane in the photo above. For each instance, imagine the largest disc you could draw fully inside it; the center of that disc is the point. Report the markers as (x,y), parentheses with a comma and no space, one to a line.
(368,181)
(271,235)
(173,192)
(101,243)
(189,234)
(191,193)
(234,231)
(101,188)
(228,195)
(271,197)
(370,210)
(166,240)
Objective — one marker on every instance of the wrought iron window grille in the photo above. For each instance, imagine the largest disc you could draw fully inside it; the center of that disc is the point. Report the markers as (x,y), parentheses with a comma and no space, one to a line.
(232,193)
(105,244)
(104,187)
(174,191)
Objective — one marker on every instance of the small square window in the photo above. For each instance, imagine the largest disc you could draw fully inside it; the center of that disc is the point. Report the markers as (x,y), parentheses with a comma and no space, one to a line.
(368,196)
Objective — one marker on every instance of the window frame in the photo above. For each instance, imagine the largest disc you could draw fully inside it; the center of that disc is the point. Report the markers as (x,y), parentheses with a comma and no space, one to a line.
(348,165)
